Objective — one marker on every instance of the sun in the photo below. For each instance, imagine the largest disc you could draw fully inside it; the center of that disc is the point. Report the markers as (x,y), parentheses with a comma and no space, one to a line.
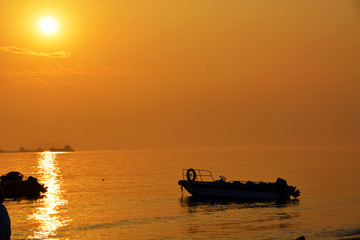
(48,25)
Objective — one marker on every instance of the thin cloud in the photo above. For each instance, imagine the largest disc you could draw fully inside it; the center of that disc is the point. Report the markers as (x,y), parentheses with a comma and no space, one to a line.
(23,51)
(51,71)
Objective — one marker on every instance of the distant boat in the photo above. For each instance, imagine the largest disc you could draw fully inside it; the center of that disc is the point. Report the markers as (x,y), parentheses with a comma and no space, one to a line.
(67,148)
(15,186)
(273,191)
(21,150)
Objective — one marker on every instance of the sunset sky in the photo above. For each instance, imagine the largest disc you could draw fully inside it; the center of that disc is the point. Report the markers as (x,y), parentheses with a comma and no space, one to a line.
(166,74)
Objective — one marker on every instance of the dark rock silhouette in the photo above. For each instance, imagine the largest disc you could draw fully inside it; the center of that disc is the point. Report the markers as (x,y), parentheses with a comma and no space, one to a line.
(15,186)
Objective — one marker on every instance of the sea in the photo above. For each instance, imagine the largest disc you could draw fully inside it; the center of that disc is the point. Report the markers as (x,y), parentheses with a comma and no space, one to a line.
(134,194)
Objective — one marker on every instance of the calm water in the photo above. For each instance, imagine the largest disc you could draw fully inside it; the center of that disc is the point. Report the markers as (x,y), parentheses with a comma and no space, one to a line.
(134,195)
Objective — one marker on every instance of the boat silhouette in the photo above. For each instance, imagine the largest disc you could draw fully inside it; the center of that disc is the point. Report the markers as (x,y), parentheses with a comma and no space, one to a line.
(66,148)
(193,181)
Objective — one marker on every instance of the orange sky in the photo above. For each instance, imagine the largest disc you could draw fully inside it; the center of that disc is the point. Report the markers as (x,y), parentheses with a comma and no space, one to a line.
(145,74)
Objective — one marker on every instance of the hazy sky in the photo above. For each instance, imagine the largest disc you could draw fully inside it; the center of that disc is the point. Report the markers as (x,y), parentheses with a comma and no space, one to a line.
(169,73)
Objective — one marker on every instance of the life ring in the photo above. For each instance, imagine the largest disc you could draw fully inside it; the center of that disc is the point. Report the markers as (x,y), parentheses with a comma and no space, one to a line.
(191,175)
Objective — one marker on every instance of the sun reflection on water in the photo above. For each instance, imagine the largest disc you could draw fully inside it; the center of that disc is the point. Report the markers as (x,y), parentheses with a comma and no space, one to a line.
(47,213)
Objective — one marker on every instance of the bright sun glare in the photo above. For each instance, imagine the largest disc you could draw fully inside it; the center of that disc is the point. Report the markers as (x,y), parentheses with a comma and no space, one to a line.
(48,25)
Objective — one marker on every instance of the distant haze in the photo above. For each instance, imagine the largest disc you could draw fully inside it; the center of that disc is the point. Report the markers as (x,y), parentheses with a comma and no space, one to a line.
(140,74)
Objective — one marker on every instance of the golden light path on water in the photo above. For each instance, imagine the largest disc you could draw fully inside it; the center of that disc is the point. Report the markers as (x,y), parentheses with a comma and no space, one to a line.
(47,213)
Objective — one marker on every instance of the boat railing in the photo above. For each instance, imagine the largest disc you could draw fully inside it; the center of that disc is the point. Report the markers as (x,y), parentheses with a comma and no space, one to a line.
(201,175)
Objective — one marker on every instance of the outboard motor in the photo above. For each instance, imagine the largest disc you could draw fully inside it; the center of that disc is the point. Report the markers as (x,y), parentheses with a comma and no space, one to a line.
(289,189)
(281,182)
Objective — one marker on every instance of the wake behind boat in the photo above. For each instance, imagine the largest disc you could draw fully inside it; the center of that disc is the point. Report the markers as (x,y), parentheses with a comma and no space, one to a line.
(201,183)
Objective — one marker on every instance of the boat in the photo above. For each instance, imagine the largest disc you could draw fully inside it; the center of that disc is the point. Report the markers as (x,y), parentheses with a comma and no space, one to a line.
(66,148)
(201,183)
(16,186)
(21,150)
